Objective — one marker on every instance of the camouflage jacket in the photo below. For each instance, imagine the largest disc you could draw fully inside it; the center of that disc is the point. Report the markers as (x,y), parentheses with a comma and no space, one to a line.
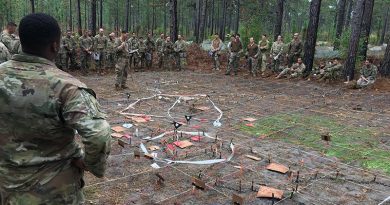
(100,42)
(41,108)
(121,52)
(168,48)
(133,43)
(149,44)
(180,46)
(111,45)
(142,47)
(4,54)
(11,42)
(369,72)
(295,48)
(86,43)
(264,46)
(298,68)
(277,48)
(68,43)
(160,45)
(216,45)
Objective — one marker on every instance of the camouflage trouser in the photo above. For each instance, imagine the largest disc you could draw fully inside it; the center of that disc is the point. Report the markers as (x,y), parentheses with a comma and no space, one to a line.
(168,60)
(121,71)
(263,62)
(100,64)
(160,59)
(142,58)
(233,62)
(65,188)
(216,61)
(181,60)
(332,75)
(252,62)
(70,56)
(361,83)
(286,71)
(61,61)
(110,59)
(134,60)
(149,58)
(85,61)
(276,65)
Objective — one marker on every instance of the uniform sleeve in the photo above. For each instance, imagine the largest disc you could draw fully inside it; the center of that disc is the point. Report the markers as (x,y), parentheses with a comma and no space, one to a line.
(81,112)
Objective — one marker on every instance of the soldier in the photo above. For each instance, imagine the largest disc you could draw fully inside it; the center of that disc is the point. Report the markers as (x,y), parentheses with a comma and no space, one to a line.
(134,55)
(252,53)
(368,75)
(61,57)
(4,54)
(86,46)
(41,161)
(181,53)
(215,52)
(160,49)
(332,71)
(295,70)
(276,53)
(122,53)
(110,50)
(100,44)
(68,44)
(168,53)
(294,50)
(234,48)
(142,51)
(264,48)
(149,50)
(9,39)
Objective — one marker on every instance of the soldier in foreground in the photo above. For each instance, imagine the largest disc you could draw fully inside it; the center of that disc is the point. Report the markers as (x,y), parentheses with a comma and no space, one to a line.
(264,49)
(181,53)
(86,46)
(215,52)
(122,64)
(69,53)
(253,54)
(368,75)
(276,54)
(42,108)
(101,44)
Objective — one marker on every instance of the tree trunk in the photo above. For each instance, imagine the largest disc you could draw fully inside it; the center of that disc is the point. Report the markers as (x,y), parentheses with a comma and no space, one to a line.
(366,26)
(386,21)
(173,8)
(93,17)
(349,13)
(70,15)
(32,6)
(279,19)
(223,20)
(202,21)
(79,26)
(340,23)
(238,16)
(354,40)
(127,14)
(385,68)
(212,17)
(101,14)
(311,36)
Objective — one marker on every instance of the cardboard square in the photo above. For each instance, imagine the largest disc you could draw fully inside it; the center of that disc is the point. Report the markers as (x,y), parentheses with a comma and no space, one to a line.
(197,127)
(139,119)
(202,108)
(196,138)
(266,192)
(118,129)
(249,119)
(116,135)
(171,147)
(278,168)
(183,144)
(249,125)
(203,120)
(237,199)
(253,157)
(153,148)
(198,183)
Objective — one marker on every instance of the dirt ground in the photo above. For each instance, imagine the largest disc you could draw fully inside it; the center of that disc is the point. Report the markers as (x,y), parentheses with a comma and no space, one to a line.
(290,116)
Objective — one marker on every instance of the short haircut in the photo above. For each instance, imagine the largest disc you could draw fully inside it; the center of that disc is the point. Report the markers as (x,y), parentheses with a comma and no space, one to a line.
(11,23)
(265,35)
(124,32)
(38,31)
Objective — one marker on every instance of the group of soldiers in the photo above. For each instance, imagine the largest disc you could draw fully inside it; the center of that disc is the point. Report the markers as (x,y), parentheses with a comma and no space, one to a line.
(282,59)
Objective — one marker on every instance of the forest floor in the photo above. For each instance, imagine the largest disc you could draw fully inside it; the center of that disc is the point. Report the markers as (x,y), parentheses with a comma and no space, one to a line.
(289,118)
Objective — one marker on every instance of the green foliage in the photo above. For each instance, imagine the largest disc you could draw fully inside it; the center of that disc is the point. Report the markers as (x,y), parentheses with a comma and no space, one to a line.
(351,144)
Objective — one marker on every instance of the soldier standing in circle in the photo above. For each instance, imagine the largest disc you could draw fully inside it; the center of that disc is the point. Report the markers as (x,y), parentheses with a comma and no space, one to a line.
(264,49)
(86,46)
(42,108)
(150,46)
(122,53)
(294,50)
(215,52)
(276,54)
(110,50)
(253,53)
(101,44)
(181,53)
(168,53)
(160,49)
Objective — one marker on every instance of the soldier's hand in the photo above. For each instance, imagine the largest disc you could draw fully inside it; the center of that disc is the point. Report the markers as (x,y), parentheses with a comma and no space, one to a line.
(79,163)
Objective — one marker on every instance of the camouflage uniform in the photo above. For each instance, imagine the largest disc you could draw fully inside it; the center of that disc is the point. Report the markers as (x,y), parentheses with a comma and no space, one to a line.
(253,54)
(332,72)
(180,54)
(294,51)
(295,70)
(86,45)
(234,47)
(149,51)
(111,53)
(61,57)
(276,52)
(134,56)
(10,41)
(101,43)
(264,48)
(216,47)
(168,55)
(160,51)
(142,52)
(122,64)
(69,45)
(41,108)
(4,54)
(369,73)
